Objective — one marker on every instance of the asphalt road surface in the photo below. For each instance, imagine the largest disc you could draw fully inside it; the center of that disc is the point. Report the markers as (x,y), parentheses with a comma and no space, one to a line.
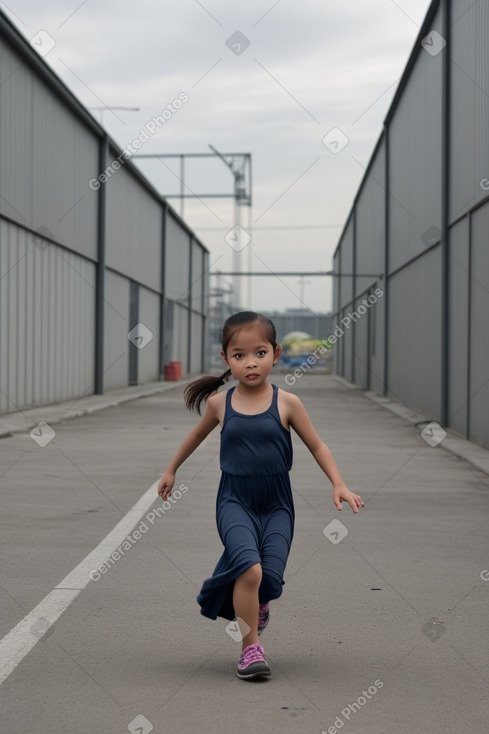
(382,626)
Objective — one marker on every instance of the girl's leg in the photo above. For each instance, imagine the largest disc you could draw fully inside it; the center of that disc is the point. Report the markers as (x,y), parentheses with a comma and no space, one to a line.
(274,553)
(245,601)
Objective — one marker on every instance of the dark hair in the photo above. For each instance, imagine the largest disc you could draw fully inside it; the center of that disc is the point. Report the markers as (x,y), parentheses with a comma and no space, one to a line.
(200,389)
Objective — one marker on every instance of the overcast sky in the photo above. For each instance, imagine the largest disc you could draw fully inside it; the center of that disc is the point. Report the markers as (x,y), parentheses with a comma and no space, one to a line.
(309,67)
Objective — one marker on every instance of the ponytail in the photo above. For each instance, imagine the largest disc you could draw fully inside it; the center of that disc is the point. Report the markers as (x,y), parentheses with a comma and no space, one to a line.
(200,389)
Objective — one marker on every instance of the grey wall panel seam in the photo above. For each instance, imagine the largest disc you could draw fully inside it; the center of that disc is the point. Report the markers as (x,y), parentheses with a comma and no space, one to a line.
(445,204)
(386,263)
(161,354)
(116,271)
(410,262)
(35,233)
(100,277)
(469,329)
(354,286)
(460,217)
(190,289)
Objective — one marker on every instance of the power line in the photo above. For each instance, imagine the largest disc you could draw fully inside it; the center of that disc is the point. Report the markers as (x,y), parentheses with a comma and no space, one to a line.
(278,227)
(295,274)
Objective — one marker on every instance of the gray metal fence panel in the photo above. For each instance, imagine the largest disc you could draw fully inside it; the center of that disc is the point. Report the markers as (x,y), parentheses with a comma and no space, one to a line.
(415,334)
(198,277)
(197,341)
(177,262)
(361,356)
(337,362)
(76,231)
(415,161)
(206,284)
(47,329)
(116,329)
(133,230)
(419,315)
(346,245)
(479,332)
(370,223)
(65,158)
(336,281)
(469,113)
(179,350)
(345,346)
(149,315)
(48,158)
(377,346)
(458,342)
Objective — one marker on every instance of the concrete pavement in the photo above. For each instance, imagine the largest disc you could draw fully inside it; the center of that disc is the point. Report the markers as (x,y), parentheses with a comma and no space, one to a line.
(382,626)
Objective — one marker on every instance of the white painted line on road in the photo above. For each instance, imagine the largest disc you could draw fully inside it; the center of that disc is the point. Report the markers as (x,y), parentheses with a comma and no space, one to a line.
(22,638)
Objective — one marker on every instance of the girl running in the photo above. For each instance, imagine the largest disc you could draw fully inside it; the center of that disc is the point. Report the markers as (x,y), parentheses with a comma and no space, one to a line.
(255,511)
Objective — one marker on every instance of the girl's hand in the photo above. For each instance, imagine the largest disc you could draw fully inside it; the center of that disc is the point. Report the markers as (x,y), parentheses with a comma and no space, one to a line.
(343,494)
(165,485)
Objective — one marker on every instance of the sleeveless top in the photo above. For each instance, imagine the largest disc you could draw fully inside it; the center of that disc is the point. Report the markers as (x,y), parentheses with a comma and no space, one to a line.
(254,445)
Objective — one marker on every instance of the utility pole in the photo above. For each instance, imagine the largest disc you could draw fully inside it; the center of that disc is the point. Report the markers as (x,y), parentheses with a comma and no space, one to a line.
(238,237)
(236,165)
(302,282)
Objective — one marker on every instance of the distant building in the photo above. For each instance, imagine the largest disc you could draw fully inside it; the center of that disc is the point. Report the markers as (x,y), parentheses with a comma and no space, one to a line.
(319,326)
(411,308)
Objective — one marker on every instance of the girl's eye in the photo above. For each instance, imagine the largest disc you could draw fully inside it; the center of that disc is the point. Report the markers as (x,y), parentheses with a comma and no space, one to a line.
(261,352)
(238,356)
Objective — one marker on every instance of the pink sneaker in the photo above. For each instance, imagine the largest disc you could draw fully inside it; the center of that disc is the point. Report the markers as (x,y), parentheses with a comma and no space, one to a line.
(252,663)
(263,617)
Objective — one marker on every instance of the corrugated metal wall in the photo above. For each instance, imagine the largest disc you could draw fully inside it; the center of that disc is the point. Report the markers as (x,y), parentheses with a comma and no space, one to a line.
(337,352)
(370,223)
(459,312)
(149,315)
(432,174)
(177,290)
(346,297)
(116,329)
(415,194)
(47,157)
(377,341)
(361,352)
(369,264)
(84,259)
(359,265)
(47,316)
(469,108)
(479,332)
(197,306)
(133,229)
(414,336)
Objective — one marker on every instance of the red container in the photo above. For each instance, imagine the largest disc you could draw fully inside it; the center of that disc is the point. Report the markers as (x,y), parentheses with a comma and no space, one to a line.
(173,371)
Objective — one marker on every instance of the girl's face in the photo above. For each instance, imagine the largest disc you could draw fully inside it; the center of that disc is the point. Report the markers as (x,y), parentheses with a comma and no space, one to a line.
(250,356)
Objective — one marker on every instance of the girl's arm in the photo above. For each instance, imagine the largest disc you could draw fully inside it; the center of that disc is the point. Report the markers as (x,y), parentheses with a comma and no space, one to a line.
(192,440)
(301,423)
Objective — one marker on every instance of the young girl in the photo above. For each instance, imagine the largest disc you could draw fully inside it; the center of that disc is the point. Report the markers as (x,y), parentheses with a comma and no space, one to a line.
(255,511)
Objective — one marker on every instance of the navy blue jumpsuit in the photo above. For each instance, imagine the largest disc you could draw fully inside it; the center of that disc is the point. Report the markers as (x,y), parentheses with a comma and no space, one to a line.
(254,506)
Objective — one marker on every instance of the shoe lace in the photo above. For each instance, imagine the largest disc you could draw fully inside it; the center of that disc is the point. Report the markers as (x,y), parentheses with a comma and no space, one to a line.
(252,653)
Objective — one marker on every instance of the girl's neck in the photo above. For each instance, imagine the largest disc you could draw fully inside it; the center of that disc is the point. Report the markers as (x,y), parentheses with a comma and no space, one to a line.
(252,400)
(249,391)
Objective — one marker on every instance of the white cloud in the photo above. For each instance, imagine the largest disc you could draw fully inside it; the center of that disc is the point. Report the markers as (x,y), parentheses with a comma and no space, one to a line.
(337,59)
